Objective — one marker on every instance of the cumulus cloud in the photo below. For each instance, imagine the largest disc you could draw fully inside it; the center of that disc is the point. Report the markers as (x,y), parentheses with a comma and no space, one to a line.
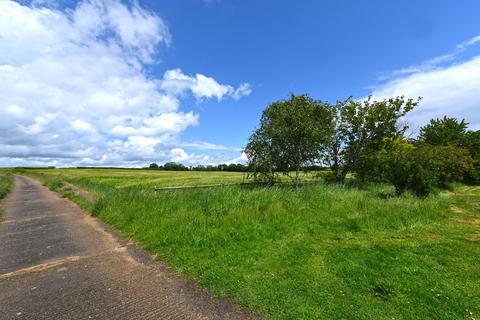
(201,86)
(74,88)
(449,85)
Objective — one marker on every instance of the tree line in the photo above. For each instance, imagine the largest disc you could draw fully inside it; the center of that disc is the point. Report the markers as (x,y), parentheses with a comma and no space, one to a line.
(364,138)
(173,166)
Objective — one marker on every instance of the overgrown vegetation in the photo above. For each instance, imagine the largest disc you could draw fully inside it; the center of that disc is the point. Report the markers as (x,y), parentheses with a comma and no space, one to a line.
(328,251)
(363,137)
(451,132)
(56,182)
(422,167)
(6,184)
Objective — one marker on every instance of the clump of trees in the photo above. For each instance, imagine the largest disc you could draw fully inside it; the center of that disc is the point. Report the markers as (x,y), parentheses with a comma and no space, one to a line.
(365,138)
(445,151)
(420,167)
(451,132)
(293,133)
(360,131)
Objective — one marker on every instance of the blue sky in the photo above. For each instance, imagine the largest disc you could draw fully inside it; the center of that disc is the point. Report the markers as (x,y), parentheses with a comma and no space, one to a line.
(329,49)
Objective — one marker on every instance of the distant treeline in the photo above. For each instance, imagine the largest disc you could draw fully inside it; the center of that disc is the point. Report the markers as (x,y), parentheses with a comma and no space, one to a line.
(173,166)
(233,167)
(26,168)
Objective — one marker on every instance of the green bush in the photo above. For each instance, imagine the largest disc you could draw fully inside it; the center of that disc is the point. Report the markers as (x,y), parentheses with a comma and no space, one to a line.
(410,169)
(421,168)
(450,131)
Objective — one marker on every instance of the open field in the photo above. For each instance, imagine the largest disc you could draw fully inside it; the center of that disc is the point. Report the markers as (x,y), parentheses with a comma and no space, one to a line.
(148,179)
(126,178)
(322,252)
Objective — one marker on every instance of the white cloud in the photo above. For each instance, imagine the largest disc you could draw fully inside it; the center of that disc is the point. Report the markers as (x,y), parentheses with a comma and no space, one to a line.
(74,88)
(82,126)
(201,86)
(452,90)
(436,62)
(243,90)
(470,42)
(178,155)
(242,158)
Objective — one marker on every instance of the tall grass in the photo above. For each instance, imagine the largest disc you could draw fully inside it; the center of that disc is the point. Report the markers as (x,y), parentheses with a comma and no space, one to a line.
(6,184)
(322,252)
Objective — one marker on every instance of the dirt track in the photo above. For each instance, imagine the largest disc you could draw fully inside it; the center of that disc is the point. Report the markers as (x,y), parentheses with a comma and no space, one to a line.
(56,262)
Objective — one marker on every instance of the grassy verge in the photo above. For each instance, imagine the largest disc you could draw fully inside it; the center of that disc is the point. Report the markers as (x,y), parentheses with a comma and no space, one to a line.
(323,252)
(6,184)
(57,183)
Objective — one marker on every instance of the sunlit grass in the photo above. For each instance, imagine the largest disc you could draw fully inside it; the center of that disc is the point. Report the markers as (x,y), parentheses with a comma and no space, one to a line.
(322,252)
(6,184)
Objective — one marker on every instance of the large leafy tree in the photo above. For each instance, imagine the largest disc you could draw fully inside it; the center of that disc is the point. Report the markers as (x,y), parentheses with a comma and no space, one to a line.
(361,129)
(451,131)
(441,132)
(293,133)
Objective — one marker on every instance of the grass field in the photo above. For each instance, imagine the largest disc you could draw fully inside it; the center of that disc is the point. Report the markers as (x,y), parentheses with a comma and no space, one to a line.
(122,178)
(6,183)
(322,252)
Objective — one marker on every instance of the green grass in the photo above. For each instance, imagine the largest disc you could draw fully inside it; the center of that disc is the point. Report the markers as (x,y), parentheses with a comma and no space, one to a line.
(322,252)
(148,179)
(137,178)
(6,184)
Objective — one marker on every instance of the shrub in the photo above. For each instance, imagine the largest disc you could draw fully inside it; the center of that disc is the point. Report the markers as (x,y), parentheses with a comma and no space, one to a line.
(423,167)
(409,169)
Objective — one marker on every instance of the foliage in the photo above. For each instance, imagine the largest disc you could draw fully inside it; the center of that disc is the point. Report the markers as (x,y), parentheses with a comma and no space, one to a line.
(420,168)
(263,160)
(441,132)
(174,166)
(153,166)
(361,128)
(450,131)
(409,168)
(6,183)
(456,163)
(292,134)
(472,144)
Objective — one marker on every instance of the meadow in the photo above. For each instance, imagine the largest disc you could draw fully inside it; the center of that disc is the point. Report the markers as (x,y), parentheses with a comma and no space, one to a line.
(322,252)
(6,182)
